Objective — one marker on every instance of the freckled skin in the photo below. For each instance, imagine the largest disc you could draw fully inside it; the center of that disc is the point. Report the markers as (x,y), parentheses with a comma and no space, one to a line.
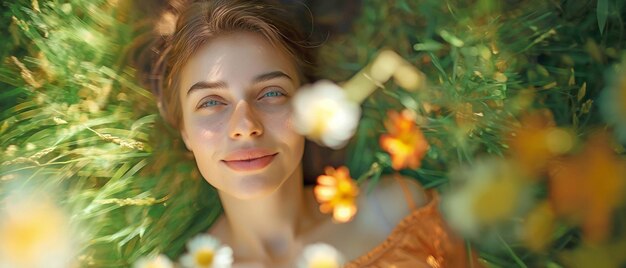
(241,113)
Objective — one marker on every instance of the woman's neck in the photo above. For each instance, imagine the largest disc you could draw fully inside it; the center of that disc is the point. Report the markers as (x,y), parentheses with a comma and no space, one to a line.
(266,228)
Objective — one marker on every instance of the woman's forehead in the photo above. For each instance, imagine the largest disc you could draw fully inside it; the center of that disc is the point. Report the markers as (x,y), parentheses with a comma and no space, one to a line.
(236,58)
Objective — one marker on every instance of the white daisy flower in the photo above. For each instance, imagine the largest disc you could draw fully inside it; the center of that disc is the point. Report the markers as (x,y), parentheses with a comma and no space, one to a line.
(34,232)
(325,114)
(205,251)
(160,261)
(320,255)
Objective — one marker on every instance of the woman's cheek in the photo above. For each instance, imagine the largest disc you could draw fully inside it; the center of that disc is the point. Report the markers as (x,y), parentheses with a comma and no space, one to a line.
(207,127)
(289,134)
(279,116)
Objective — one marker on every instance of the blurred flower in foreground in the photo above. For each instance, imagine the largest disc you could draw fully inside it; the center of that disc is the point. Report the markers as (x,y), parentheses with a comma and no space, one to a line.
(587,187)
(205,251)
(539,227)
(337,192)
(320,255)
(606,255)
(404,142)
(34,233)
(329,114)
(613,99)
(490,191)
(160,261)
(324,113)
(537,140)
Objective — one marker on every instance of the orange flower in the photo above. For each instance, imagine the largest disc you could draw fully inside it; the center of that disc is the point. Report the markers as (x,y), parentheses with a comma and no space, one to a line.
(537,140)
(404,142)
(337,192)
(586,188)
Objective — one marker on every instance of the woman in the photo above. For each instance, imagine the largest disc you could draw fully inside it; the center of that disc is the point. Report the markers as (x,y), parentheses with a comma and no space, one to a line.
(231,68)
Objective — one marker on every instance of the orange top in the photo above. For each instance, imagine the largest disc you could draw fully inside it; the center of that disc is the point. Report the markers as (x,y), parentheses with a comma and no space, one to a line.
(421,239)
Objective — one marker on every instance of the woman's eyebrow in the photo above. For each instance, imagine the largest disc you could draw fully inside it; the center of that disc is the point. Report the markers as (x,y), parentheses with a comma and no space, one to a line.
(222,84)
(206,84)
(270,76)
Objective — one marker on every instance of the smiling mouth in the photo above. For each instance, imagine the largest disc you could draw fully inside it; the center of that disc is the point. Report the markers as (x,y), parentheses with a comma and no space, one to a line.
(250,164)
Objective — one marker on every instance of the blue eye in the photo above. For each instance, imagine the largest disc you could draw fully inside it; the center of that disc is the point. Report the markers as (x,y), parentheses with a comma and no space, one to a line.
(209,103)
(273,94)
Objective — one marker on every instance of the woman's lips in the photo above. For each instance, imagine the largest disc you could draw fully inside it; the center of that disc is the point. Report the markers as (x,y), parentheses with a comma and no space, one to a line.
(249,160)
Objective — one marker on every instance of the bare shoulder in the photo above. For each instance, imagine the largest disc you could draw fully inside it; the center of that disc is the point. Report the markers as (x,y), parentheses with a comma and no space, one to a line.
(390,198)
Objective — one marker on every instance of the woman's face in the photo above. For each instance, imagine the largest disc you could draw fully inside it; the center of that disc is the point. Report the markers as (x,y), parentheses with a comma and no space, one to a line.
(235,95)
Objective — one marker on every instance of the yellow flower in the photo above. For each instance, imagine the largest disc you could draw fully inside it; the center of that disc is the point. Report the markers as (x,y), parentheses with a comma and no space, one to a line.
(539,227)
(591,255)
(404,142)
(337,192)
(34,233)
(489,191)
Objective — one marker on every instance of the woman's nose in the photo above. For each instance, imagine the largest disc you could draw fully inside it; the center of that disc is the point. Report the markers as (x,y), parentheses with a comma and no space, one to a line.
(244,122)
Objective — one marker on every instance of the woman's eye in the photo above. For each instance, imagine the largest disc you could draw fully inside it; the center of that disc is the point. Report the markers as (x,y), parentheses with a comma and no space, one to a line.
(273,94)
(210,103)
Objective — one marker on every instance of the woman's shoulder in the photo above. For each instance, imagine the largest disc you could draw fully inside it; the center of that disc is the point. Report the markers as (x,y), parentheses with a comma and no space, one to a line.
(416,226)
(389,200)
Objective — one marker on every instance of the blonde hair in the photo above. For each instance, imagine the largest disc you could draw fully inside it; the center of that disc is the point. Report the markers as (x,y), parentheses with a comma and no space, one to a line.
(200,21)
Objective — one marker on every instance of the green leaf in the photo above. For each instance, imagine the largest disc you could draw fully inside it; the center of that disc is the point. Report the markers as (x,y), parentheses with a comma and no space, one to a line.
(602,11)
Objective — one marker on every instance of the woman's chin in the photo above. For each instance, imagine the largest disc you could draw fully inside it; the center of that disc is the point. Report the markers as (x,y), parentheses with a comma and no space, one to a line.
(253,186)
